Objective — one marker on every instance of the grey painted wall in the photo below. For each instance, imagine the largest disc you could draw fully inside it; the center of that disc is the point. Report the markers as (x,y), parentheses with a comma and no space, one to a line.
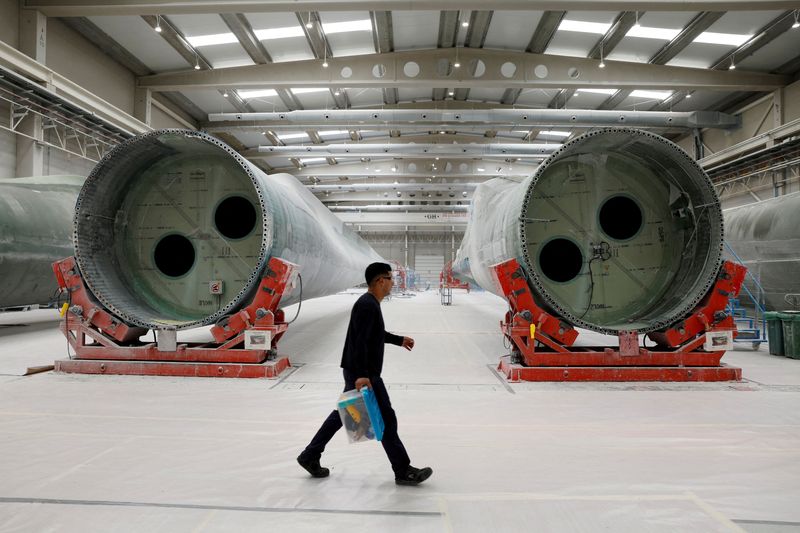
(9,22)
(57,162)
(393,248)
(8,148)
(72,56)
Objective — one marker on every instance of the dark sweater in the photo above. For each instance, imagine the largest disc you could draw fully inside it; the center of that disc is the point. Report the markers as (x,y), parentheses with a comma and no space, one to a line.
(363,347)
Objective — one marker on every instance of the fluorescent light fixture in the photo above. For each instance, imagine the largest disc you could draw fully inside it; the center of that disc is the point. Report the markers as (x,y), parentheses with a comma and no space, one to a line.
(598,91)
(599,28)
(306,90)
(658,95)
(210,40)
(333,132)
(646,32)
(729,39)
(279,33)
(554,133)
(312,160)
(288,136)
(350,25)
(256,93)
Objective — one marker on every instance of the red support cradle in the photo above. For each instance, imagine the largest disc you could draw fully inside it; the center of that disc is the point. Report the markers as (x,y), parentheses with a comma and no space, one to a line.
(105,345)
(542,344)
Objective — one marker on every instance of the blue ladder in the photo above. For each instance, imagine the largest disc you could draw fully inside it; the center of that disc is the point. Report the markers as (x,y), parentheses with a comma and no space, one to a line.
(750,329)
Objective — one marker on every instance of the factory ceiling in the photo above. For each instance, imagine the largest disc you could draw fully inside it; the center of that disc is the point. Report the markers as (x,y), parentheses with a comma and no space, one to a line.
(288,84)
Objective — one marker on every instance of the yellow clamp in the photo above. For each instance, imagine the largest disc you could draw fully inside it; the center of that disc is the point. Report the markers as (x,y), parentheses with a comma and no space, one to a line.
(63,310)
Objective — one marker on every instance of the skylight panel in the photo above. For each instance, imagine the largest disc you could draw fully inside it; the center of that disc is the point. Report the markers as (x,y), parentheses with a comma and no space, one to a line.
(279,33)
(312,160)
(305,90)
(210,40)
(256,93)
(350,25)
(599,28)
(598,91)
(288,136)
(646,32)
(730,39)
(554,133)
(333,132)
(658,95)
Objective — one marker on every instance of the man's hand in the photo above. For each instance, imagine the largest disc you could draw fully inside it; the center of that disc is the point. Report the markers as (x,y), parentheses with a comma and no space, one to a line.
(363,382)
(408,343)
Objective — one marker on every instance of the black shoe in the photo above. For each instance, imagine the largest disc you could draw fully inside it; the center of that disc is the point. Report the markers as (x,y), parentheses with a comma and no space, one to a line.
(414,476)
(313,467)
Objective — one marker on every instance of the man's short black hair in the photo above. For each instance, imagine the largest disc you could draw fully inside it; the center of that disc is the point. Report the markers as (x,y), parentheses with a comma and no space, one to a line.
(376,269)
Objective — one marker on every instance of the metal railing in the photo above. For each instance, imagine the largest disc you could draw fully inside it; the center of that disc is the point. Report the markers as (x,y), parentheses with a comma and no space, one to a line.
(758,299)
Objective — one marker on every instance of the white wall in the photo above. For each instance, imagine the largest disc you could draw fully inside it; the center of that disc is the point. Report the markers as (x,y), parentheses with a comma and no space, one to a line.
(755,121)
(9,34)
(8,147)
(159,120)
(9,22)
(393,249)
(72,56)
(58,162)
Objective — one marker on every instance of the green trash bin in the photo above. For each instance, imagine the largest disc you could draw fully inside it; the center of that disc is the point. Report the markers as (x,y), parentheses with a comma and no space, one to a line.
(791,333)
(774,332)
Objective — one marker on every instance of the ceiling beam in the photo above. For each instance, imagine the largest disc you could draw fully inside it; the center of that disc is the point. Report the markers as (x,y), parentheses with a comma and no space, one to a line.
(765,35)
(383,39)
(382,187)
(448,34)
(410,168)
(240,27)
(442,217)
(602,48)
(121,55)
(315,35)
(178,42)
(442,120)
(472,150)
(688,34)
(617,74)
(81,8)
(477,30)
(542,35)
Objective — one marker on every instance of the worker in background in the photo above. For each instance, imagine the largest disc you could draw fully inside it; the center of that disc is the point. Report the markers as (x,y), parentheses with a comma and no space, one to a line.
(362,361)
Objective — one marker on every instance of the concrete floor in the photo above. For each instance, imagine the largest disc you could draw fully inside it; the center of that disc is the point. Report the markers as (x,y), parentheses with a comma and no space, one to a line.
(115,453)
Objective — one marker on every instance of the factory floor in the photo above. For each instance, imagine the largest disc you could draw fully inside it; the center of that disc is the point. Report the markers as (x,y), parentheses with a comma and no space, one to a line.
(124,453)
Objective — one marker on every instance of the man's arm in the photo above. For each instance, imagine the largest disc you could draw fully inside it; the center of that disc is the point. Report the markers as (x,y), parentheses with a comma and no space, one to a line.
(391,338)
(405,342)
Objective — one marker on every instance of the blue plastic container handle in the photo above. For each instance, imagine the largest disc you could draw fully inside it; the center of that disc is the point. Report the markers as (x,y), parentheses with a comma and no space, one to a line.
(374,412)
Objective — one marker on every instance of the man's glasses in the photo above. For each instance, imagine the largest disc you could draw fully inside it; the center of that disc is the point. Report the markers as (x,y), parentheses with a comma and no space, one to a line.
(385,277)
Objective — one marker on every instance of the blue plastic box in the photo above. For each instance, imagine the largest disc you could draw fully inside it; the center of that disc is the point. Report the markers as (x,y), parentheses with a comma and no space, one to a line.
(360,415)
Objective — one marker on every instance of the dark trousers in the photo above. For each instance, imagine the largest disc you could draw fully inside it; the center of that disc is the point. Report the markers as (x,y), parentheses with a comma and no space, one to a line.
(392,444)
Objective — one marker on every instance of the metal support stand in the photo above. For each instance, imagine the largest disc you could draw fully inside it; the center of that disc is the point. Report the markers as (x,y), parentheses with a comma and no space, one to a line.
(542,345)
(446,295)
(246,343)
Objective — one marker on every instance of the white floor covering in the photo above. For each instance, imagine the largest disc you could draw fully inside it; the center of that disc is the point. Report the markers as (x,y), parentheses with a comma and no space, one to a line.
(125,453)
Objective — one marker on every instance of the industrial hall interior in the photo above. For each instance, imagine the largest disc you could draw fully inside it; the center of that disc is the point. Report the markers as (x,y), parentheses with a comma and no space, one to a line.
(399,266)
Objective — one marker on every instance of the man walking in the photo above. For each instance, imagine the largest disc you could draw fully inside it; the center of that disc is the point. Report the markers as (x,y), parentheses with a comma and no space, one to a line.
(362,361)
